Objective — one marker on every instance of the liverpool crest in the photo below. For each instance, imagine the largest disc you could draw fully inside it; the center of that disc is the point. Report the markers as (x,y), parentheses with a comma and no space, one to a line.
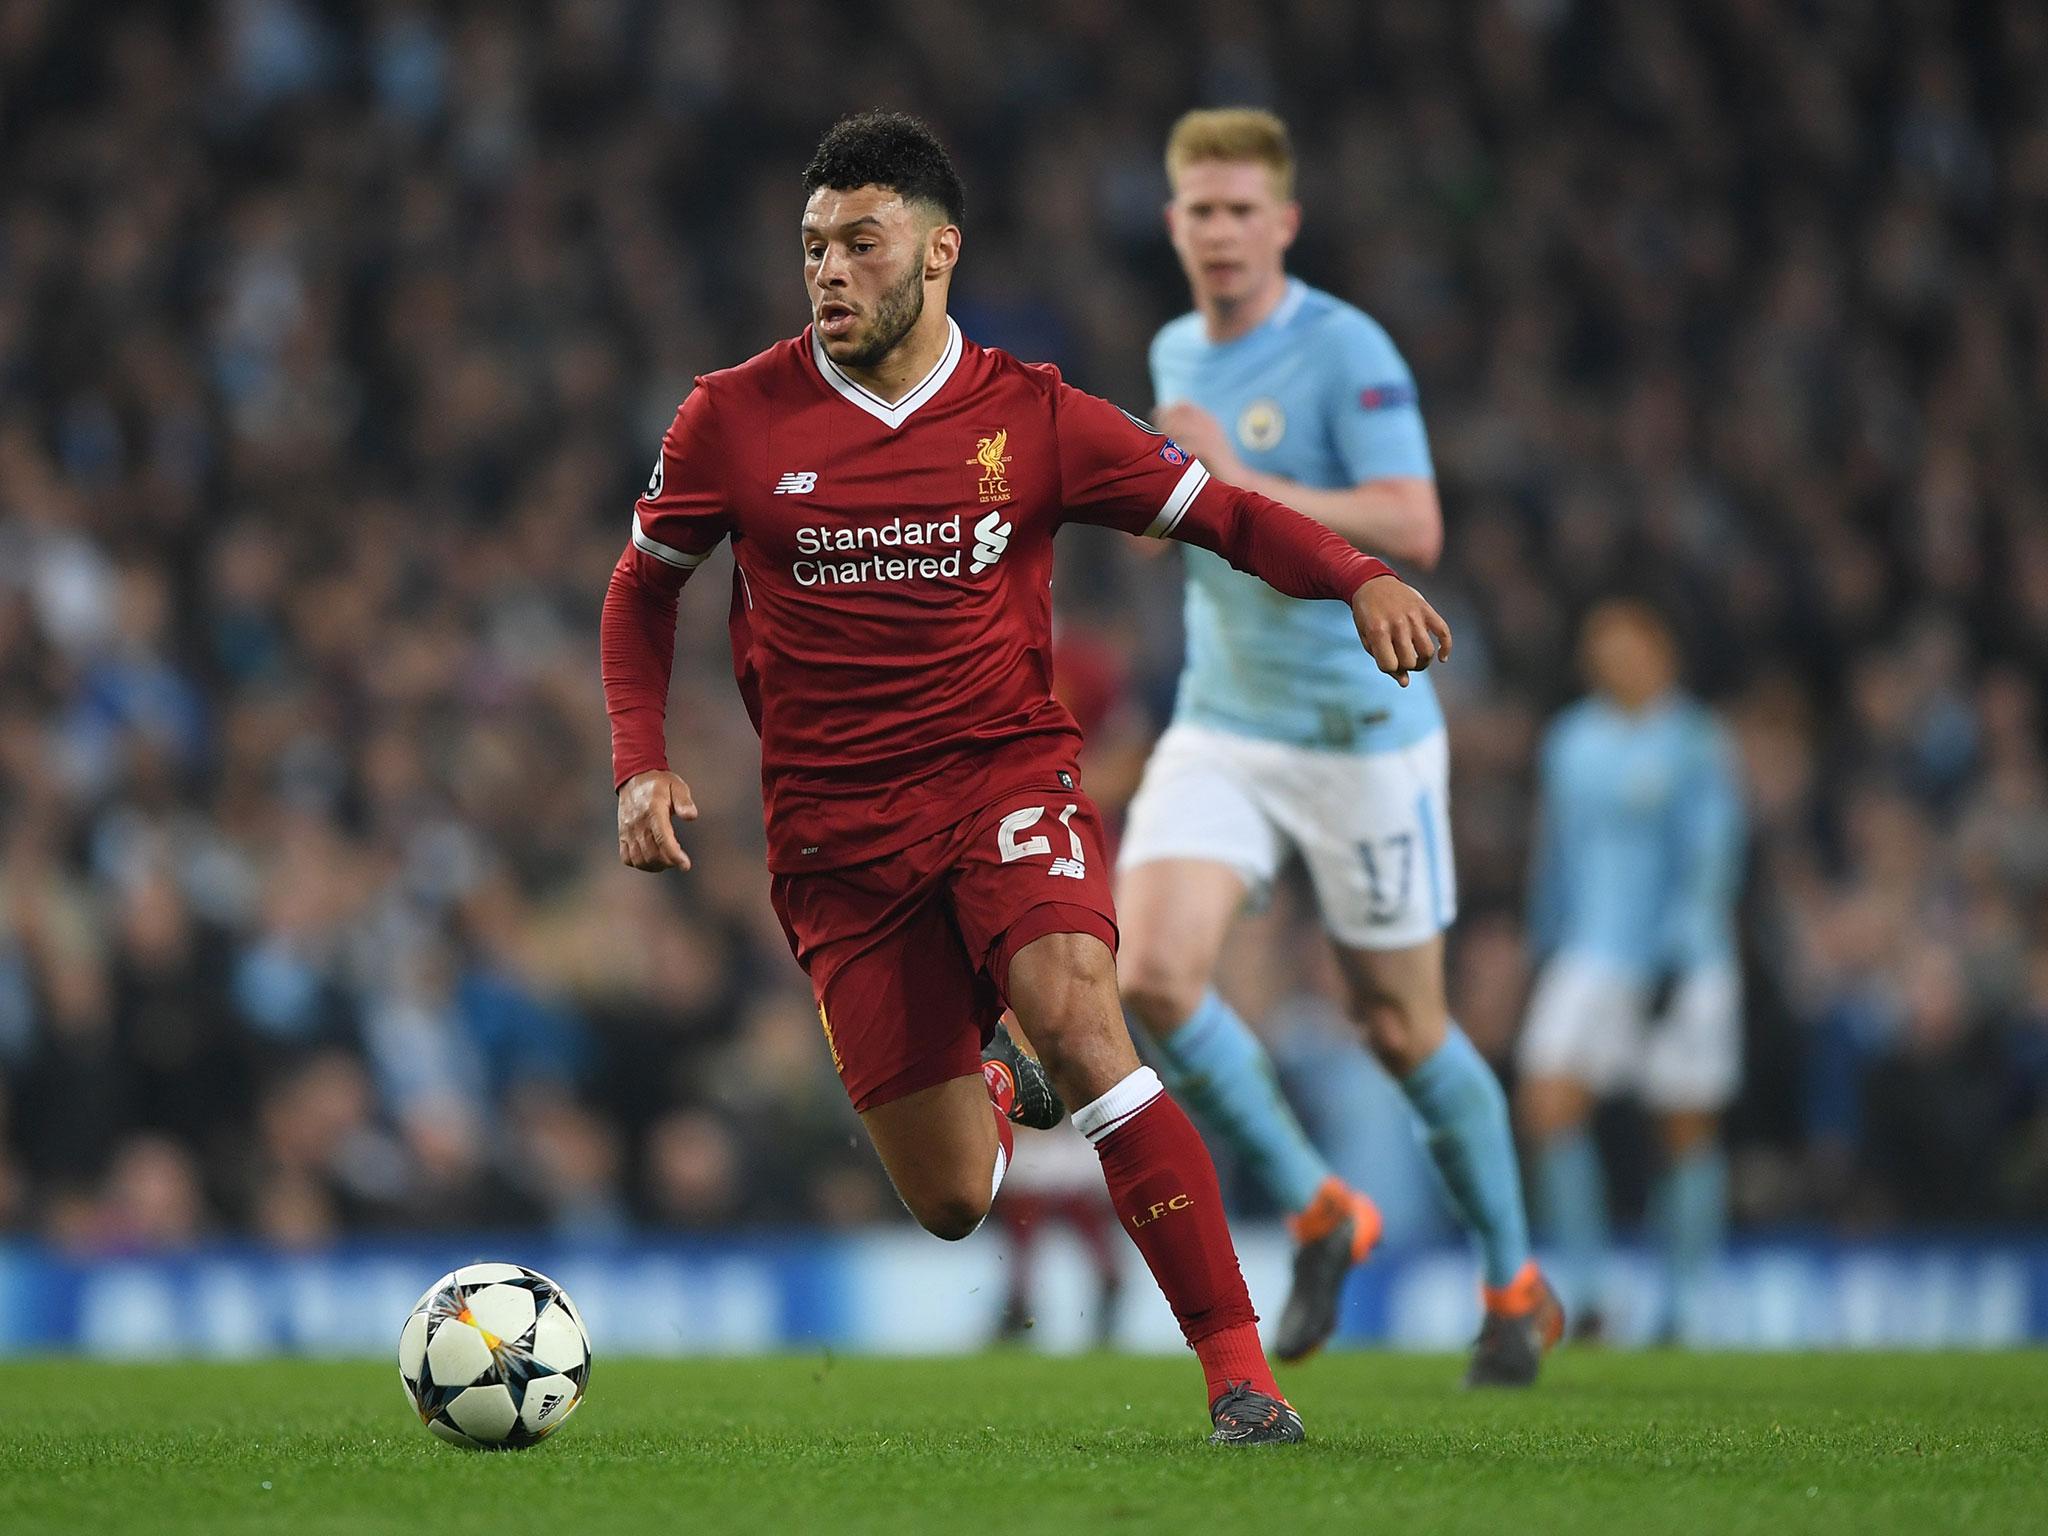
(992,458)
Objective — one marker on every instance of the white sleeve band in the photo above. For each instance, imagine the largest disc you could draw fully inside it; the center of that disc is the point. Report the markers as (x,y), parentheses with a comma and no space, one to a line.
(1184,493)
(662,552)
(1117,1107)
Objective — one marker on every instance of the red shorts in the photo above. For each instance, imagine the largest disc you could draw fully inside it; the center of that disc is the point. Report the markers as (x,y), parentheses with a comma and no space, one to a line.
(909,954)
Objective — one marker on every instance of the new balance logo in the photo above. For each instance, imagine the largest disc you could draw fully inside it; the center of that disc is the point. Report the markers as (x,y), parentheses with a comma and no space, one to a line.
(798,482)
(991,538)
(1072,868)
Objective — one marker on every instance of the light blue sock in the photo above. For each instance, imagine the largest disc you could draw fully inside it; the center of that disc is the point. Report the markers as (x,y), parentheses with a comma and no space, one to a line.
(1573,1197)
(1465,1123)
(1690,1209)
(1217,1067)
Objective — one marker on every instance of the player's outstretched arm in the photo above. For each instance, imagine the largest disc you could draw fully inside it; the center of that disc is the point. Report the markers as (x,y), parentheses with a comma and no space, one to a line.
(1119,473)
(1300,557)
(1402,632)
(1396,517)
(650,804)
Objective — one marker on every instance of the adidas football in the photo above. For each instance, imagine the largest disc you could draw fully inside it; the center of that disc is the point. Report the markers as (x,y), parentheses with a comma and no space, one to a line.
(494,1357)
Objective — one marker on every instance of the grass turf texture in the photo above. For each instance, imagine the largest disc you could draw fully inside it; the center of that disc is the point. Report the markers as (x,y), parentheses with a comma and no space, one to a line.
(1001,1443)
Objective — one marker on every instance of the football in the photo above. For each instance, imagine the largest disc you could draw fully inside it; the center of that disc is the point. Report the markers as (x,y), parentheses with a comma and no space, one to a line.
(494,1357)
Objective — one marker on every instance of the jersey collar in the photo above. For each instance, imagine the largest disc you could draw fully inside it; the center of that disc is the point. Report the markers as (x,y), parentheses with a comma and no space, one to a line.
(891,414)
(1289,305)
(1291,299)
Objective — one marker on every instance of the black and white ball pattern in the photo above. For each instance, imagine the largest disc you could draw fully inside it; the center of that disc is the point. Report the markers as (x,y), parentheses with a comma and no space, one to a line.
(494,1357)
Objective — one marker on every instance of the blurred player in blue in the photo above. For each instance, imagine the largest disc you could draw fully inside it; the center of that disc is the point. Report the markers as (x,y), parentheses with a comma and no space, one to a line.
(1632,902)
(1282,740)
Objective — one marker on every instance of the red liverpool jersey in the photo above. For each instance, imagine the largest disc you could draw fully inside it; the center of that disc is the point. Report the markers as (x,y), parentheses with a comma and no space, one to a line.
(892,606)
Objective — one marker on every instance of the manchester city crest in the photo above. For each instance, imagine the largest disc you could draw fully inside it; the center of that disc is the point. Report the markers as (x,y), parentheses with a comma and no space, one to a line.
(1261,426)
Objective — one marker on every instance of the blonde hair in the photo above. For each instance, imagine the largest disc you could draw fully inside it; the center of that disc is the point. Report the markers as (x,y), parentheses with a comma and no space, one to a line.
(1233,133)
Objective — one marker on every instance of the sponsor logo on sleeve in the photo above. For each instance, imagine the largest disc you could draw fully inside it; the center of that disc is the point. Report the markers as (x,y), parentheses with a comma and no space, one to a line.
(1386,397)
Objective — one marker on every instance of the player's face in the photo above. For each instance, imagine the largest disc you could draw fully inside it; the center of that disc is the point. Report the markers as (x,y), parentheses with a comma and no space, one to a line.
(1628,655)
(867,255)
(1231,229)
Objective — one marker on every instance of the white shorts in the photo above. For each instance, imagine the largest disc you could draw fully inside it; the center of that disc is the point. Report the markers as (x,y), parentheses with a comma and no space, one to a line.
(1373,828)
(1590,1023)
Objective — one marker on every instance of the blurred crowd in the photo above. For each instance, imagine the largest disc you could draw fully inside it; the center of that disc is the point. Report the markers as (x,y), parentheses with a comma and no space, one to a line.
(336,337)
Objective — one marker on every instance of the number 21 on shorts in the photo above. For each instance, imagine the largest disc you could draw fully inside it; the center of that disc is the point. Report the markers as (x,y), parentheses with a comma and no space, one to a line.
(1026,817)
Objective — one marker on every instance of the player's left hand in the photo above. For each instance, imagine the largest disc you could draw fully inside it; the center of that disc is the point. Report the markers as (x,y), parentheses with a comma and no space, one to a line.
(1202,435)
(1400,629)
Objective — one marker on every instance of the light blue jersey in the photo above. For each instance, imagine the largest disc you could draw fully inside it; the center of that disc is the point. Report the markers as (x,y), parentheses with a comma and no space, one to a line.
(1317,394)
(1639,858)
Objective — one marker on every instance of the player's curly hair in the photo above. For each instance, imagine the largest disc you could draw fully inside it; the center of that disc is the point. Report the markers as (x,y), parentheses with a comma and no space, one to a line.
(888,149)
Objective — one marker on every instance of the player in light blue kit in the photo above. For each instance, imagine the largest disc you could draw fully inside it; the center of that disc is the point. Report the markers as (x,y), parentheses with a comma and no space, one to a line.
(1632,901)
(1281,740)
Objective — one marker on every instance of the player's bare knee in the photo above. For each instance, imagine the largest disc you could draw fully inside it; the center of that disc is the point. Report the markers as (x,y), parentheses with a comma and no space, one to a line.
(1066,999)
(1684,1132)
(1532,1117)
(1390,1033)
(1549,1107)
(1163,995)
(952,1216)
(1057,980)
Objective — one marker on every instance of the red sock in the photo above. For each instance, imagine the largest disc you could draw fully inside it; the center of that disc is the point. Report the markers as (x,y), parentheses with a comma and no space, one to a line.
(1163,1186)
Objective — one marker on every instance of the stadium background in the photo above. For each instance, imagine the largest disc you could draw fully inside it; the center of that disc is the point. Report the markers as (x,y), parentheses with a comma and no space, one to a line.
(335,340)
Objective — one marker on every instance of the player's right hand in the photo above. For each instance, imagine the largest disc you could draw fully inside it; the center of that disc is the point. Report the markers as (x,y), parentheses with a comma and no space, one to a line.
(1400,629)
(649,806)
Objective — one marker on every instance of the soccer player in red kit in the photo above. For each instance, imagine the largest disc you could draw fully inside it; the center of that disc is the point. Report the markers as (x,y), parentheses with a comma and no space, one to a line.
(891,491)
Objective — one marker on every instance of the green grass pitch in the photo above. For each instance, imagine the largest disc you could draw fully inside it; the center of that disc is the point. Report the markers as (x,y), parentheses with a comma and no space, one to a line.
(1001,1443)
